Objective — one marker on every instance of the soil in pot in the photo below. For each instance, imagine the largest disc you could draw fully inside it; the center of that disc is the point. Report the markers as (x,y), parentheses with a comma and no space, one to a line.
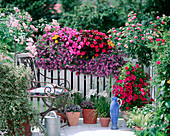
(73,118)
(104,122)
(89,116)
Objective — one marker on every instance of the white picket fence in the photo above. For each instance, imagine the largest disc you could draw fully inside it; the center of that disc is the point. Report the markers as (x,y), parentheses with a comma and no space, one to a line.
(83,82)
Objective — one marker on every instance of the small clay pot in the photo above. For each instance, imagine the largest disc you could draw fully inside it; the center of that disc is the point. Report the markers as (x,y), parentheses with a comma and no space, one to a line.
(73,118)
(104,122)
(89,116)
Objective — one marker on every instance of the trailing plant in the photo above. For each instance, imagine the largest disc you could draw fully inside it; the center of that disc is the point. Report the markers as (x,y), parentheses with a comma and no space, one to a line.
(65,48)
(15,106)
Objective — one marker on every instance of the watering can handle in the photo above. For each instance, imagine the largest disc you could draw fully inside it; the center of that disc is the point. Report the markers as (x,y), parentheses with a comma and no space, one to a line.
(53,113)
(120,102)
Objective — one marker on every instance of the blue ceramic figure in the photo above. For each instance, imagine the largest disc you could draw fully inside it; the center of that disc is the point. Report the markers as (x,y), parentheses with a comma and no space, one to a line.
(114,112)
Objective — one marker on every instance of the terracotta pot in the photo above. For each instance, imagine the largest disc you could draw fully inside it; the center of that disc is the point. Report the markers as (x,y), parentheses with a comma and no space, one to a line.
(125,115)
(62,117)
(89,116)
(73,118)
(138,128)
(104,122)
(26,131)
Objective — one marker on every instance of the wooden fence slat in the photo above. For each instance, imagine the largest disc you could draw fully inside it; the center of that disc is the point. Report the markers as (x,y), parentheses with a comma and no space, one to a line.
(81,84)
(55,75)
(100,84)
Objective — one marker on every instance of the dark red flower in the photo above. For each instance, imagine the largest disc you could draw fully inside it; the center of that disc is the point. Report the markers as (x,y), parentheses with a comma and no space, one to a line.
(113,86)
(152,100)
(104,50)
(127,108)
(96,55)
(116,77)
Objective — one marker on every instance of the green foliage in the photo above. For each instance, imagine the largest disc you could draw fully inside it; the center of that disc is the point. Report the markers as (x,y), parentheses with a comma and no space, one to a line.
(103,107)
(68,5)
(15,106)
(98,15)
(141,116)
(37,8)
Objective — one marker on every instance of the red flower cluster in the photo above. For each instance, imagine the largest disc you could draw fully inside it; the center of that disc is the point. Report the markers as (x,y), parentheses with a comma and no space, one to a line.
(132,87)
(94,43)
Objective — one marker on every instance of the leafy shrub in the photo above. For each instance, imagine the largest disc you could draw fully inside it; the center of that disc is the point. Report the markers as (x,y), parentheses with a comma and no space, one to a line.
(37,8)
(98,15)
(15,106)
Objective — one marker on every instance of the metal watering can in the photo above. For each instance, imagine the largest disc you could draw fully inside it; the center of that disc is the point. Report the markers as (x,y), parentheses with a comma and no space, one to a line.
(52,124)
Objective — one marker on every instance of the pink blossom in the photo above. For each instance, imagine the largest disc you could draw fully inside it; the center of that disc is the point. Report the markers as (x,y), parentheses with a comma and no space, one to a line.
(139,24)
(115,31)
(157,17)
(135,37)
(158,39)
(2,14)
(138,28)
(129,15)
(110,36)
(150,22)
(87,43)
(158,62)
(128,28)
(131,41)
(117,38)
(134,14)
(119,44)
(142,38)
(133,25)
(95,42)
(47,28)
(163,22)
(16,9)
(133,17)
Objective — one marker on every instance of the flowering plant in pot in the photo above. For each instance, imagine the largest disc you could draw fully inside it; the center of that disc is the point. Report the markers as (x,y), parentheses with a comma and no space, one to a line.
(16,114)
(73,113)
(88,106)
(103,109)
(132,87)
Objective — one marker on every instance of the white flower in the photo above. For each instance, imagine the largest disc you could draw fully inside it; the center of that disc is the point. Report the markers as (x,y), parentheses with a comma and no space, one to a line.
(104,94)
(75,91)
(92,92)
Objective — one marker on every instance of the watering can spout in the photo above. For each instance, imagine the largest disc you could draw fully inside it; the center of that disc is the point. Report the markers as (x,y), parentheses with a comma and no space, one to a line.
(42,126)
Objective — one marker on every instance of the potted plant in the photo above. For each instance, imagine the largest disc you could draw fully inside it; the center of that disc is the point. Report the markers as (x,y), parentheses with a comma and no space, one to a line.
(88,106)
(132,88)
(140,116)
(73,114)
(16,111)
(103,110)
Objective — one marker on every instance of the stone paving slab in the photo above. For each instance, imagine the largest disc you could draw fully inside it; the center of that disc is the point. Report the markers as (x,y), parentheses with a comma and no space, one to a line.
(93,130)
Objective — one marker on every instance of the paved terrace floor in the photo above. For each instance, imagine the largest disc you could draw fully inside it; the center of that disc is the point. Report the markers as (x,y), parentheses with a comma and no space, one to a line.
(93,130)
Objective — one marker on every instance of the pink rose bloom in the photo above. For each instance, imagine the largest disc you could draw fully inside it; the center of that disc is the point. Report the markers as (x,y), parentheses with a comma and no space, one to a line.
(158,62)
(163,22)
(131,41)
(128,28)
(114,31)
(117,38)
(135,37)
(129,15)
(158,39)
(95,42)
(133,25)
(142,38)
(150,22)
(134,14)
(128,72)
(119,44)
(126,68)
(139,24)
(157,17)
(138,28)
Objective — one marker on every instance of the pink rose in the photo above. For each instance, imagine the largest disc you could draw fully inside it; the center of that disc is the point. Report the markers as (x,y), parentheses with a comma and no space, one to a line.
(131,41)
